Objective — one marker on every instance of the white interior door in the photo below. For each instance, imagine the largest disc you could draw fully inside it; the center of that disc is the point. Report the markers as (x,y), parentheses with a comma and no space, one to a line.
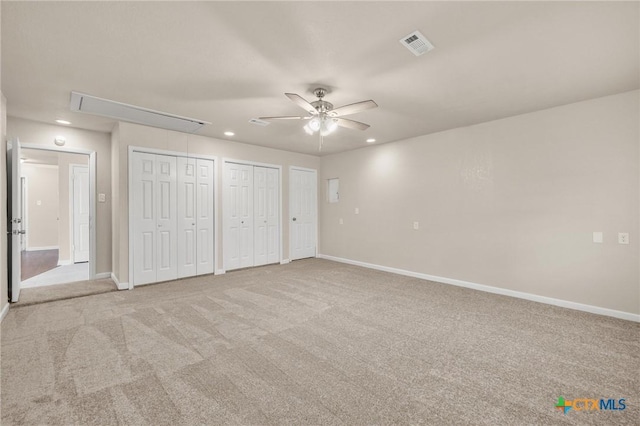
(204,217)
(303,213)
(81,213)
(260,228)
(144,218)
(186,232)
(273,215)
(16,223)
(166,207)
(238,216)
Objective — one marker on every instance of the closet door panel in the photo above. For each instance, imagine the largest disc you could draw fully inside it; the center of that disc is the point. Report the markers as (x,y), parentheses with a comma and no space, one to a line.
(186,215)
(166,207)
(272,213)
(204,216)
(144,218)
(260,215)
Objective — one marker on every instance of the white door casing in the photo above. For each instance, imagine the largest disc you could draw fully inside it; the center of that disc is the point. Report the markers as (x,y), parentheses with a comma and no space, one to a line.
(205,216)
(303,213)
(16,222)
(81,212)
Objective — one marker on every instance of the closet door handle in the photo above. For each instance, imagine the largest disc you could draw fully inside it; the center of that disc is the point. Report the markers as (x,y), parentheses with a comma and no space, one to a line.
(294,219)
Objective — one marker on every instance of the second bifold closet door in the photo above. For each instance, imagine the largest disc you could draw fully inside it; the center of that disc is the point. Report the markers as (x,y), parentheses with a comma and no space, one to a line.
(251,215)
(172,217)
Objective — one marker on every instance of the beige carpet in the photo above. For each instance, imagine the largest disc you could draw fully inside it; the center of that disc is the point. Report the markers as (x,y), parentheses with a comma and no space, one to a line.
(50,293)
(312,342)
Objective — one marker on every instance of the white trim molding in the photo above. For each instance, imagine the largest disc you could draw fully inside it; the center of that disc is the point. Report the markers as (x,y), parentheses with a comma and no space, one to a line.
(65,262)
(4,311)
(490,289)
(285,261)
(103,275)
(220,272)
(119,285)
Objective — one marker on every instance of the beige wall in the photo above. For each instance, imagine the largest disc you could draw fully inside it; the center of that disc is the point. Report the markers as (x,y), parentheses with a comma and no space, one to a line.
(64,220)
(115,200)
(510,203)
(42,205)
(36,133)
(142,136)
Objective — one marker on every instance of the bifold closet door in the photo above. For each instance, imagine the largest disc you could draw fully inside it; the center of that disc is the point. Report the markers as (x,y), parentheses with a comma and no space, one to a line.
(238,220)
(154,218)
(195,217)
(266,212)
(204,217)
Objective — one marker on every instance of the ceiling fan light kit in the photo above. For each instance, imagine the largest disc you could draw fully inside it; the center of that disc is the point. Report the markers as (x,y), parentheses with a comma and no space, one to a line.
(324,118)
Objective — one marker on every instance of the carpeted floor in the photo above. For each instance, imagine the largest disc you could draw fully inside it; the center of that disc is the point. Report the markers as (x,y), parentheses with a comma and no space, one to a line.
(50,293)
(312,342)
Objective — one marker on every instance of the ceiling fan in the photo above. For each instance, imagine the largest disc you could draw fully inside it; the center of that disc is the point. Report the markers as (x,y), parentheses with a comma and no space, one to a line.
(324,118)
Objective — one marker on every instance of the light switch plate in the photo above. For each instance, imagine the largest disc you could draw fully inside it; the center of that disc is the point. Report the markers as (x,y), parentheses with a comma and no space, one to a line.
(341,221)
(357,211)
(416,225)
(623,238)
(102,198)
(597,237)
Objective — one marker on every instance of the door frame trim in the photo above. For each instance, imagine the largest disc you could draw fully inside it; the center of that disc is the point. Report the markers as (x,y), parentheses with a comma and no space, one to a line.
(131,149)
(92,195)
(315,172)
(226,160)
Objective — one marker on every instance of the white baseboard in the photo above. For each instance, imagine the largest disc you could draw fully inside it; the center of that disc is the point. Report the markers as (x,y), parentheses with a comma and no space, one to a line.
(121,286)
(285,261)
(65,262)
(220,272)
(496,290)
(42,248)
(103,275)
(4,311)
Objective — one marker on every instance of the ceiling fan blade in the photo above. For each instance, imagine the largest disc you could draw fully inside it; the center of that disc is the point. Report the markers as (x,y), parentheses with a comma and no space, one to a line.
(285,117)
(302,103)
(352,108)
(351,124)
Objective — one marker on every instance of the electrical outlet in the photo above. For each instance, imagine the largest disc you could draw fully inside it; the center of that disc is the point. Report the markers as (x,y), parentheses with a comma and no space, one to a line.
(597,237)
(416,225)
(357,211)
(102,198)
(341,221)
(623,238)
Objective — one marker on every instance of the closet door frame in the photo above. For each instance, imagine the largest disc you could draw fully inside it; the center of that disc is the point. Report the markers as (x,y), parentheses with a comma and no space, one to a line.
(145,150)
(225,161)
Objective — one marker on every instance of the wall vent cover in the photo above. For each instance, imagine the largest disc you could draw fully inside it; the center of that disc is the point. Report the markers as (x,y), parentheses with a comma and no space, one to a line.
(88,104)
(259,122)
(416,43)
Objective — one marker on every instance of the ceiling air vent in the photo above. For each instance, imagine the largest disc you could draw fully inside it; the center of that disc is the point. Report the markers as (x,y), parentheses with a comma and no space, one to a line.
(259,122)
(81,102)
(416,43)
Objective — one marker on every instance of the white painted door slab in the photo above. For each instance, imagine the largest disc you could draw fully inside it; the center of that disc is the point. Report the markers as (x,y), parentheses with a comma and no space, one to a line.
(303,213)
(166,207)
(238,216)
(186,232)
(144,227)
(204,217)
(81,213)
(15,225)
(266,215)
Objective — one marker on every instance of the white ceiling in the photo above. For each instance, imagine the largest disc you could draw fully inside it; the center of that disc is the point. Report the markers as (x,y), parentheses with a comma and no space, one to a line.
(227,62)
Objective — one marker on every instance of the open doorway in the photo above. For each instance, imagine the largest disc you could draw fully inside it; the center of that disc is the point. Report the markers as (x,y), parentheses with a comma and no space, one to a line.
(56,217)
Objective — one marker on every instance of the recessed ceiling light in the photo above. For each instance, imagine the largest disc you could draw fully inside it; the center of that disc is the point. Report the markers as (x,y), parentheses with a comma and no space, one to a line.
(63,122)
(371,140)
(229,133)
